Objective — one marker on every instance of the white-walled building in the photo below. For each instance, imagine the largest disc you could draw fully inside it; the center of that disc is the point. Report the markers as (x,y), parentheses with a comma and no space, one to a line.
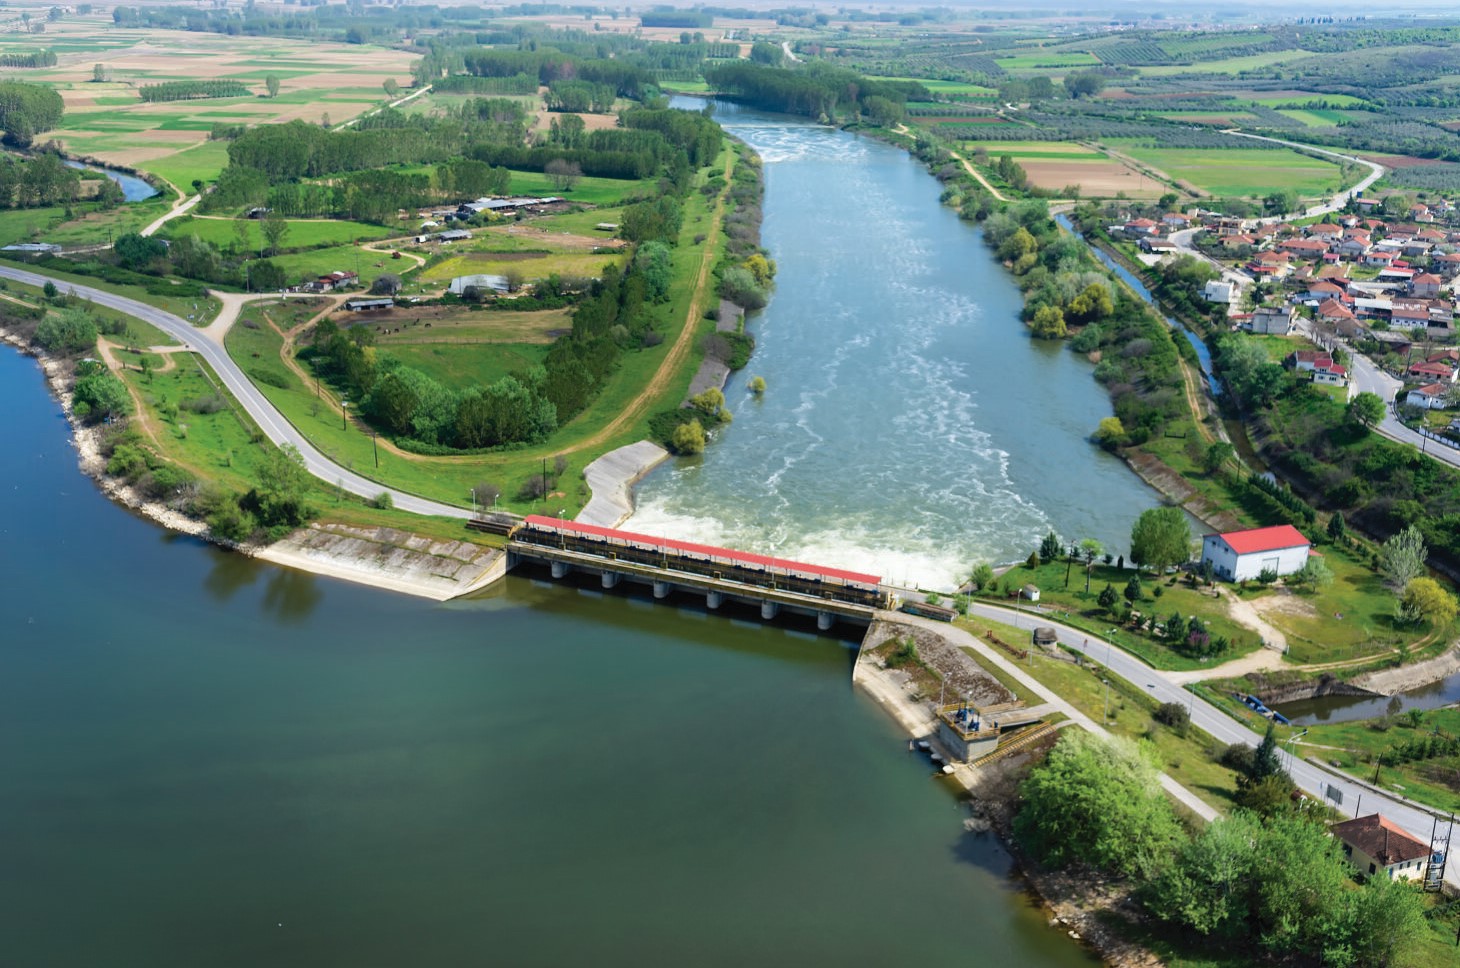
(1376,846)
(1240,555)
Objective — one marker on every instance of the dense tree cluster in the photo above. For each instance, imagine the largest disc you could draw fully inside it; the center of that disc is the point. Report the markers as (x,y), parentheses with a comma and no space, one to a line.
(1098,803)
(41,180)
(812,90)
(39,58)
(190,90)
(26,110)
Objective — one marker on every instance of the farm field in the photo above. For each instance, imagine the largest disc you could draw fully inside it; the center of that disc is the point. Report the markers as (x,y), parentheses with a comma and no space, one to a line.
(1306,98)
(946,88)
(1230,65)
(1037,60)
(303,233)
(1056,166)
(1240,171)
(1318,118)
(110,122)
(529,265)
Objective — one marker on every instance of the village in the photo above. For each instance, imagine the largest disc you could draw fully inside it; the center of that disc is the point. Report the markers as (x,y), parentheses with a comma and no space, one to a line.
(1378,278)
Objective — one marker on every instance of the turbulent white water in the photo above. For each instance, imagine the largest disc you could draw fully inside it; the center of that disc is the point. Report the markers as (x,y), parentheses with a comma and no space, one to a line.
(910,428)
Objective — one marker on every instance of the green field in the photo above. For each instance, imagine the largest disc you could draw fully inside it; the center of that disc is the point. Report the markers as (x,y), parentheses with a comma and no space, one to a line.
(202,162)
(1320,118)
(458,365)
(1241,171)
(1230,65)
(1048,59)
(1332,100)
(1033,149)
(530,265)
(303,233)
(946,88)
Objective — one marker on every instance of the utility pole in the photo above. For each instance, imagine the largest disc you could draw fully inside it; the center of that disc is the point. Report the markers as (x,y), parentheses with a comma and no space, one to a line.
(375,446)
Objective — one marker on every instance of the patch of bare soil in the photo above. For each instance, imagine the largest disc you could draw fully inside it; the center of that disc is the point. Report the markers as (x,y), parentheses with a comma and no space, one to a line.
(945,664)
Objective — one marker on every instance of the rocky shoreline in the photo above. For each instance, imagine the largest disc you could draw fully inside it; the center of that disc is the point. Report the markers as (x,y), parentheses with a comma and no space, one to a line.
(379,564)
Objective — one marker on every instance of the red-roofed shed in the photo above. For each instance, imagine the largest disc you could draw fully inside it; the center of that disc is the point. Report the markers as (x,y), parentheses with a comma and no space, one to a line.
(1242,555)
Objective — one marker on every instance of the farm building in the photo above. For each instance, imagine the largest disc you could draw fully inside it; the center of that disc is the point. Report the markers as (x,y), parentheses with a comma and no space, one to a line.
(1240,555)
(364,304)
(1373,844)
(1274,320)
(461,284)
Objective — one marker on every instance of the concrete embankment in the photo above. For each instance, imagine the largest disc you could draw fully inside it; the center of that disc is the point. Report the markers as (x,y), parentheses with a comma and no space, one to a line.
(387,558)
(612,477)
(1309,689)
(1387,682)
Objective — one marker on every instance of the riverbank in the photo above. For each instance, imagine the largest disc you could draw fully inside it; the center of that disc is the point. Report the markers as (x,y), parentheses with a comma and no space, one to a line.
(1080,907)
(393,560)
(611,479)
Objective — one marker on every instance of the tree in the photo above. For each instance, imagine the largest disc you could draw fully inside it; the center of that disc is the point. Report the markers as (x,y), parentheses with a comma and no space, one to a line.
(1313,575)
(688,438)
(1133,591)
(1281,202)
(278,500)
(1049,321)
(653,262)
(1402,558)
(99,74)
(1366,409)
(1160,538)
(1097,801)
(264,275)
(101,396)
(275,230)
(1216,455)
(982,576)
(1205,886)
(1425,601)
(1337,529)
(1108,597)
(486,494)
(563,174)
(1050,548)
(386,284)
(757,385)
(1084,84)
(1090,550)
(67,332)
(1265,762)
(1091,305)
(1111,433)
(392,88)
(271,84)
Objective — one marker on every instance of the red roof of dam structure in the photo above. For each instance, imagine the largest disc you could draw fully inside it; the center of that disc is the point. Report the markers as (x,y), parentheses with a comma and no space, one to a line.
(703,550)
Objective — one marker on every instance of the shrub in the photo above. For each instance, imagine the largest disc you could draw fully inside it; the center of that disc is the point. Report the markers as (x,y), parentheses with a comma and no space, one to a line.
(382,501)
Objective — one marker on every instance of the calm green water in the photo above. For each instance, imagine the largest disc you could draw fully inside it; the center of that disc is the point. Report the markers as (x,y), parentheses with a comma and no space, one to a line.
(911,426)
(207,762)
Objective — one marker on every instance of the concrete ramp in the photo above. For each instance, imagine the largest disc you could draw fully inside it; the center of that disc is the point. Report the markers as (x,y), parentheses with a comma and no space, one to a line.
(612,477)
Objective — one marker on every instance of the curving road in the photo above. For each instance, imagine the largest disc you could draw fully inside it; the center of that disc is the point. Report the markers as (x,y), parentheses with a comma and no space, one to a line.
(270,421)
(1316,781)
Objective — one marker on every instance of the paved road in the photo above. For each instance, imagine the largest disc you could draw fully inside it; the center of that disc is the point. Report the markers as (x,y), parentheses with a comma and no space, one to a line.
(1414,818)
(270,421)
(1369,378)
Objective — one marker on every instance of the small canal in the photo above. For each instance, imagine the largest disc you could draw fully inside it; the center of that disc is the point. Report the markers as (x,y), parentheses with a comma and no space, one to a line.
(134,189)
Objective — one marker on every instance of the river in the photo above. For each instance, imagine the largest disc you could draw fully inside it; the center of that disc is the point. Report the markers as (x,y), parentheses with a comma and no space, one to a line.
(134,189)
(911,427)
(212,762)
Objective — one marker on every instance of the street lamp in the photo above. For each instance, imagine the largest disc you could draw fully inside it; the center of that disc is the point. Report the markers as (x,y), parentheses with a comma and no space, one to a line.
(344,408)
(1109,634)
(1289,744)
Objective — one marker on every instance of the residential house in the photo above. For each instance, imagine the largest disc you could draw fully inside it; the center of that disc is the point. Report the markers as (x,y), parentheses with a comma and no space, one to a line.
(1353,247)
(335,280)
(1377,846)
(1431,396)
(1139,227)
(1232,242)
(1175,221)
(1383,258)
(1274,320)
(1304,248)
(1426,285)
(1338,273)
(1324,290)
(1330,374)
(1431,373)
(1335,312)
(1219,291)
(1272,265)
(1325,232)
(1243,555)
(1421,213)
(1157,246)
(1446,265)
(1369,204)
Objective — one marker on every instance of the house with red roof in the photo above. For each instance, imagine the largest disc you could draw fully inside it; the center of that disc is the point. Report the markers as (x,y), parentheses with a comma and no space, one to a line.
(1431,396)
(1431,372)
(1306,248)
(1426,284)
(1242,555)
(1376,846)
(1325,232)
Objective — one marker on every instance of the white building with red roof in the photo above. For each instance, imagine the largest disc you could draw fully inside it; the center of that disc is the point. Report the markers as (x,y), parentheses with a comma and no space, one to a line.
(1242,555)
(1378,847)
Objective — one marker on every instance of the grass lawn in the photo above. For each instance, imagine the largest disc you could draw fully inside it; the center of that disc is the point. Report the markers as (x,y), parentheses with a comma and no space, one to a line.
(1435,782)
(1188,759)
(198,311)
(202,162)
(302,234)
(531,265)
(462,366)
(1241,171)
(1332,100)
(590,191)
(1052,59)
(1082,611)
